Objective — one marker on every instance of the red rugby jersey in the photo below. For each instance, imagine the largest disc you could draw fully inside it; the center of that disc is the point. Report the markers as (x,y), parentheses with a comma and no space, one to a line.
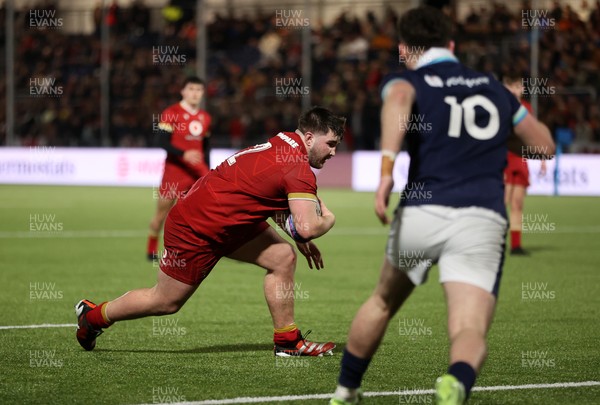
(248,188)
(187,128)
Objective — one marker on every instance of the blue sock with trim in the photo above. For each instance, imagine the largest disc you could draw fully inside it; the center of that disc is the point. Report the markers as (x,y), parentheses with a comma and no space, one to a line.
(353,369)
(463,373)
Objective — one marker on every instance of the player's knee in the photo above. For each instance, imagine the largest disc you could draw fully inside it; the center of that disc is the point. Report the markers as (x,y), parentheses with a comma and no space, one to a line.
(170,307)
(387,304)
(517,205)
(382,302)
(285,260)
(289,257)
(158,221)
(464,329)
(160,218)
(155,226)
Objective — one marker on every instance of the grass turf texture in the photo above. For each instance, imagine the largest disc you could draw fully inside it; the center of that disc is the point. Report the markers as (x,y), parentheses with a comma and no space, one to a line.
(219,345)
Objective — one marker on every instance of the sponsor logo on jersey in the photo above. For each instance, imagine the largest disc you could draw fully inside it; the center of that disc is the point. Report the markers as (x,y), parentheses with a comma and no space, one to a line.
(434,81)
(288,140)
(195,128)
(469,82)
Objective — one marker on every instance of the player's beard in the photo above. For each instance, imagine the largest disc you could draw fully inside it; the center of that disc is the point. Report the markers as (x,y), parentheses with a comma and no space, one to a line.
(316,161)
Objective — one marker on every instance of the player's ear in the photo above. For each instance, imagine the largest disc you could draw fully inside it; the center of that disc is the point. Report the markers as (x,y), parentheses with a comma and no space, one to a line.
(309,138)
(451,46)
(402,49)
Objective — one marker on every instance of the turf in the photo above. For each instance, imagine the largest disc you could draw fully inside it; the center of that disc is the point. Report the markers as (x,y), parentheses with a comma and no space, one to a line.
(219,345)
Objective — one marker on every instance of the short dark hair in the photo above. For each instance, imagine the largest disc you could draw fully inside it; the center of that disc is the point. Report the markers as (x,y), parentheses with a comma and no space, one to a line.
(193,80)
(512,76)
(425,26)
(319,119)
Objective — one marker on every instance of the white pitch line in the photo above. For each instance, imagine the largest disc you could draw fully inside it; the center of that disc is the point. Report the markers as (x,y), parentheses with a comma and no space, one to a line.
(249,400)
(43,325)
(538,386)
(254,400)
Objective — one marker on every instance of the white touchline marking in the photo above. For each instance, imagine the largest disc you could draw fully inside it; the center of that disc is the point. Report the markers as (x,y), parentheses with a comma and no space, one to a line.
(43,325)
(250,400)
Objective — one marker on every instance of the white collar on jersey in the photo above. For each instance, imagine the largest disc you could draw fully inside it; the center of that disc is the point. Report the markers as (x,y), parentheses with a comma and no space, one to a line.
(435,55)
(187,107)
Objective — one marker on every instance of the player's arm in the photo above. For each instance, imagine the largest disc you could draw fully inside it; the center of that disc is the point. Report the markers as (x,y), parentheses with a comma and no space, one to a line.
(309,225)
(206,149)
(206,141)
(398,98)
(164,141)
(532,139)
(165,133)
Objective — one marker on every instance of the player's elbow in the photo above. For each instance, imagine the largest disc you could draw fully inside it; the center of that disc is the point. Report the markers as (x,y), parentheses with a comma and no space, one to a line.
(307,232)
(305,236)
(546,150)
(549,145)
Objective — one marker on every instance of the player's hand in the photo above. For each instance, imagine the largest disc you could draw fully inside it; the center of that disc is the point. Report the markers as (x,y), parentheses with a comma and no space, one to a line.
(382,198)
(542,172)
(324,210)
(192,156)
(312,254)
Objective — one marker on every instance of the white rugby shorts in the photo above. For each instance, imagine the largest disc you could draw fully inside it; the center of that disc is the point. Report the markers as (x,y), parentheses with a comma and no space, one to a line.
(467,243)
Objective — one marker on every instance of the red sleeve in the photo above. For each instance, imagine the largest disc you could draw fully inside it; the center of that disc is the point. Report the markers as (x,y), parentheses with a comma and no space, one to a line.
(300,182)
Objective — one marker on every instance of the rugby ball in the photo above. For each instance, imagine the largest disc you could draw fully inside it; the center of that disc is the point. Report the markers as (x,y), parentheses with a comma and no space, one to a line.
(285,221)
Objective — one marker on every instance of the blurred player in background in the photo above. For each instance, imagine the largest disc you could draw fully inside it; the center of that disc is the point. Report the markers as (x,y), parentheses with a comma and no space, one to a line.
(183,130)
(458,219)
(516,175)
(224,214)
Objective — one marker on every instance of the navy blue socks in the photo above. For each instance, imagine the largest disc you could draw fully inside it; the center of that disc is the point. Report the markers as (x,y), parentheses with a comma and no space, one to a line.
(353,369)
(463,373)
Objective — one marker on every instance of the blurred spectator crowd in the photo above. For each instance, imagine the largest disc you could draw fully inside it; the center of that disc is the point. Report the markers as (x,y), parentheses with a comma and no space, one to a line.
(254,85)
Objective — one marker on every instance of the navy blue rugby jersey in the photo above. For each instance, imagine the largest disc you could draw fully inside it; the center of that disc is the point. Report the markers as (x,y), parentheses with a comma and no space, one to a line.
(457,133)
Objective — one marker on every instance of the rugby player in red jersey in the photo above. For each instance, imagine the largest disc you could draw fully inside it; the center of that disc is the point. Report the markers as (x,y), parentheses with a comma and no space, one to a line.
(183,132)
(224,214)
(516,175)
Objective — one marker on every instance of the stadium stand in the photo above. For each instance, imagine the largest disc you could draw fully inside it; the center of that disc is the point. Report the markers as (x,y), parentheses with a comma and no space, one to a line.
(250,57)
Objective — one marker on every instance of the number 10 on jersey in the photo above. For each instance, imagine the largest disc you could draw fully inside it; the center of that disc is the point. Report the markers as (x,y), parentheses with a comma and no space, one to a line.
(464,113)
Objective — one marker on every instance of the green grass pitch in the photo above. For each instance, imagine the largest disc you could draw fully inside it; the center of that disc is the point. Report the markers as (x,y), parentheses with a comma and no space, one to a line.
(61,244)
